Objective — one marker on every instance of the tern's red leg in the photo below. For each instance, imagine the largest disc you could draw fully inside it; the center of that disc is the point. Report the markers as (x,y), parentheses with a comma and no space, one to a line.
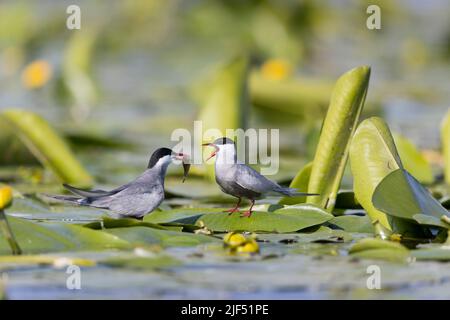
(235,209)
(248,213)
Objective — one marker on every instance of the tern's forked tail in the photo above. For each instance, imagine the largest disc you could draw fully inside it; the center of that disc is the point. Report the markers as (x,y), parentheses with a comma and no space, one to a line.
(293,192)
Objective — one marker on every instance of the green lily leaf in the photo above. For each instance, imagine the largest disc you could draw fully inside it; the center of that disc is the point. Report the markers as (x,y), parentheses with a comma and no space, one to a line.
(399,194)
(378,249)
(56,261)
(182,215)
(373,156)
(47,146)
(142,263)
(346,104)
(439,253)
(300,181)
(321,235)
(287,219)
(51,237)
(225,104)
(140,235)
(352,223)
(109,223)
(413,161)
(445,140)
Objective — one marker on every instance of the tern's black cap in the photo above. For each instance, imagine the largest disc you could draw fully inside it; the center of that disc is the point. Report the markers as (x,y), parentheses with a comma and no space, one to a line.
(223,140)
(158,154)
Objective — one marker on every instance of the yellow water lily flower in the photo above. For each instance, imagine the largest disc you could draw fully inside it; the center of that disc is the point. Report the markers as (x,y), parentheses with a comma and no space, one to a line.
(238,243)
(36,74)
(5,197)
(276,69)
(250,247)
(234,239)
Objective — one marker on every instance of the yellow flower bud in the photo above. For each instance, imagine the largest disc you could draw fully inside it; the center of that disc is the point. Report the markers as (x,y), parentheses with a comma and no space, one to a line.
(234,239)
(276,69)
(36,74)
(5,197)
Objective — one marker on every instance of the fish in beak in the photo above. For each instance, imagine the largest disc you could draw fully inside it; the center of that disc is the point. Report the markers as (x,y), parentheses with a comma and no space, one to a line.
(186,166)
(213,154)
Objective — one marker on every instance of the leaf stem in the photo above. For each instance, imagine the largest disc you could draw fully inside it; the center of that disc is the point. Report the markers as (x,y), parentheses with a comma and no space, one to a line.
(5,229)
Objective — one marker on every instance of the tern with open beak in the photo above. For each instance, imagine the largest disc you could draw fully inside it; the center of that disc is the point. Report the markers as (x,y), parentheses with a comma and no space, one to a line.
(241,181)
(135,199)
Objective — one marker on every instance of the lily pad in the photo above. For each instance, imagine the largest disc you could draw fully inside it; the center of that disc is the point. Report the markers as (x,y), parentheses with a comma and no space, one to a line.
(148,236)
(352,223)
(288,219)
(377,249)
(142,263)
(402,196)
(51,237)
(441,253)
(182,215)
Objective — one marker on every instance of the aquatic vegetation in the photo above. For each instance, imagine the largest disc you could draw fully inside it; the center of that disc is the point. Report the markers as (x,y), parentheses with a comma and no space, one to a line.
(373,154)
(338,127)
(46,145)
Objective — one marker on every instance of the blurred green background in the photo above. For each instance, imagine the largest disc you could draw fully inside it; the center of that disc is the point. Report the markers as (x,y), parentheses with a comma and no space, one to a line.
(139,69)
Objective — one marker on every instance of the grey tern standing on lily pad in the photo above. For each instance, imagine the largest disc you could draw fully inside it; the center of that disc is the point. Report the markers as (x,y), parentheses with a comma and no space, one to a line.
(241,181)
(134,199)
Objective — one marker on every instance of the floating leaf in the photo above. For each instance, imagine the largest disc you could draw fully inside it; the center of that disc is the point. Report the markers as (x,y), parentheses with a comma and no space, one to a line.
(346,104)
(142,263)
(51,237)
(413,161)
(378,249)
(373,156)
(181,215)
(110,223)
(399,194)
(47,146)
(148,236)
(445,140)
(352,223)
(288,219)
(300,182)
(56,261)
(440,253)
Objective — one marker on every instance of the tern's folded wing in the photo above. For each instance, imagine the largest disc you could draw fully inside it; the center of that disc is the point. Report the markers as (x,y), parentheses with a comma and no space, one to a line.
(250,179)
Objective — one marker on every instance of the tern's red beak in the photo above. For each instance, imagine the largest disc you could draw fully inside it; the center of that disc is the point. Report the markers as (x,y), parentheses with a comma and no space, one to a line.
(214,152)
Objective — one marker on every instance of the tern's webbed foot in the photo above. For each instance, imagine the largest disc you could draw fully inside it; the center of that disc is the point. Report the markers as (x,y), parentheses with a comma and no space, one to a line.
(231,211)
(247,214)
